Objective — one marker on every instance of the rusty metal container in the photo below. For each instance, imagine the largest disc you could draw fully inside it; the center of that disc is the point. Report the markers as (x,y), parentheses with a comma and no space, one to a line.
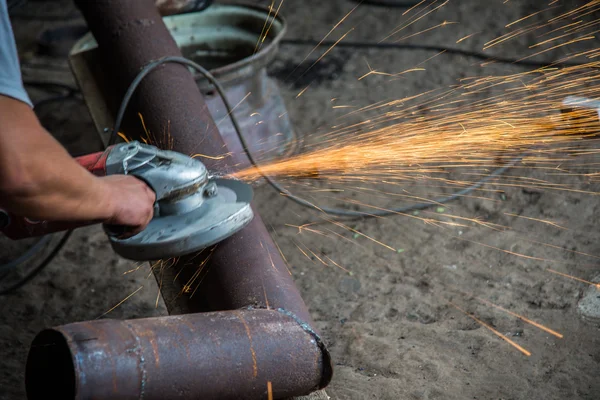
(233,42)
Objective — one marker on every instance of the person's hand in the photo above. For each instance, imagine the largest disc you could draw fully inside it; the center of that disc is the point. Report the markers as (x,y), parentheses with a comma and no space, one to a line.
(131,202)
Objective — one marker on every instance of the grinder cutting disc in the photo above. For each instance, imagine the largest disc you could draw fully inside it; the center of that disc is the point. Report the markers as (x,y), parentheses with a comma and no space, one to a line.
(217,218)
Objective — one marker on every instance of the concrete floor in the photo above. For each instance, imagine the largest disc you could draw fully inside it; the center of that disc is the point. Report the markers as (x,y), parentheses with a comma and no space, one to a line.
(388,325)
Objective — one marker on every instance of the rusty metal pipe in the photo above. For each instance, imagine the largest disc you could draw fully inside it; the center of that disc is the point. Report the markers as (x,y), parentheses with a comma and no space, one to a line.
(247,268)
(224,355)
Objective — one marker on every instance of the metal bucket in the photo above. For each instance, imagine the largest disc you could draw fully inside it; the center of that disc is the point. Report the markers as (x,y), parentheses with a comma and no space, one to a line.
(227,40)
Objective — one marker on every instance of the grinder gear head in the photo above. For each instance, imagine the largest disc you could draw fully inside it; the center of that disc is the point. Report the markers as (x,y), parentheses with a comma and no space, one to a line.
(192,210)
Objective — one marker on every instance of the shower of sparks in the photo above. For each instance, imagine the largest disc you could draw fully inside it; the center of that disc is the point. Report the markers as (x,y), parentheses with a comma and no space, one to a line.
(459,132)
(450,138)
(462,130)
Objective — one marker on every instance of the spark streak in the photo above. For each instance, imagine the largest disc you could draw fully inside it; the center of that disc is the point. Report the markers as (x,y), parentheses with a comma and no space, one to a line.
(121,302)
(597,285)
(494,331)
(522,318)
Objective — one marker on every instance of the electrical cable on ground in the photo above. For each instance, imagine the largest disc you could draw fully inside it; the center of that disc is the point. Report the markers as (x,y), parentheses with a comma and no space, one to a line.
(447,50)
(27,254)
(39,268)
(303,202)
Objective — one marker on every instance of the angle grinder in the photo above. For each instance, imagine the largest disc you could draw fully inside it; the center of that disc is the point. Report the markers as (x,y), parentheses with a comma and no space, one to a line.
(192,210)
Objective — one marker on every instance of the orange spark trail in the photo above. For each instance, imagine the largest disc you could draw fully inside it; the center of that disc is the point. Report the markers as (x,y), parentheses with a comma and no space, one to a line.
(121,302)
(528,16)
(597,285)
(122,136)
(504,250)
(302,91)
(494,331)
(396,147)
(413,7)
(445,23)
(259,42)
(466,37)
(522,318)
(537,220)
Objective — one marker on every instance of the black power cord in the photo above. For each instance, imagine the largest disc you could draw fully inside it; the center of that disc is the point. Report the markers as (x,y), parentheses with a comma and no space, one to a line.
(39,268)
(447,50)
(34,249)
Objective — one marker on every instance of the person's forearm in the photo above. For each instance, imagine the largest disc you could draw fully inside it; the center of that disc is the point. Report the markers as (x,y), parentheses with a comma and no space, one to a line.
(38,178)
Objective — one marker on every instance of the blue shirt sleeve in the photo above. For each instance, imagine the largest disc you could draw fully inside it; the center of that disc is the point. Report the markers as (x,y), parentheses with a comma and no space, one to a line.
(11,83)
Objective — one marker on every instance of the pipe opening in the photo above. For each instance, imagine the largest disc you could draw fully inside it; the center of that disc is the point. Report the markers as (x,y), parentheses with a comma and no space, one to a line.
(50,373)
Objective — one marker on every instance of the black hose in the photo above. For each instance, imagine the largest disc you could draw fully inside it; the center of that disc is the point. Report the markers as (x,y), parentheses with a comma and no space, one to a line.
(34,272)
(426,47)
(27,254)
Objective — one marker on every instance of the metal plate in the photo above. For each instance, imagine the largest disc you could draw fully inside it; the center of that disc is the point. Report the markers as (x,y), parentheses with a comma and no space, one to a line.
(175,235)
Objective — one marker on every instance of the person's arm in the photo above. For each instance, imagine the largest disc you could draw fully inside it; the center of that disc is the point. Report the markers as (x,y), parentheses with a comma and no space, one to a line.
(38,178)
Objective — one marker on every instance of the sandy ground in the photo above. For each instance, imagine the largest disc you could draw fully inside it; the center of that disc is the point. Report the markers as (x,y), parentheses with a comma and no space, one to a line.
(388,324)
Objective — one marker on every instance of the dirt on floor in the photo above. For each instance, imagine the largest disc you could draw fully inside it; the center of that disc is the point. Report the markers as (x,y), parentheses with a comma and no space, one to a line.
(390,316)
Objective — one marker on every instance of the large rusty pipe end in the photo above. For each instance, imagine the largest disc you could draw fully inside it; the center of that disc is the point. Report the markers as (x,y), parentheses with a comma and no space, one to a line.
(223,355)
